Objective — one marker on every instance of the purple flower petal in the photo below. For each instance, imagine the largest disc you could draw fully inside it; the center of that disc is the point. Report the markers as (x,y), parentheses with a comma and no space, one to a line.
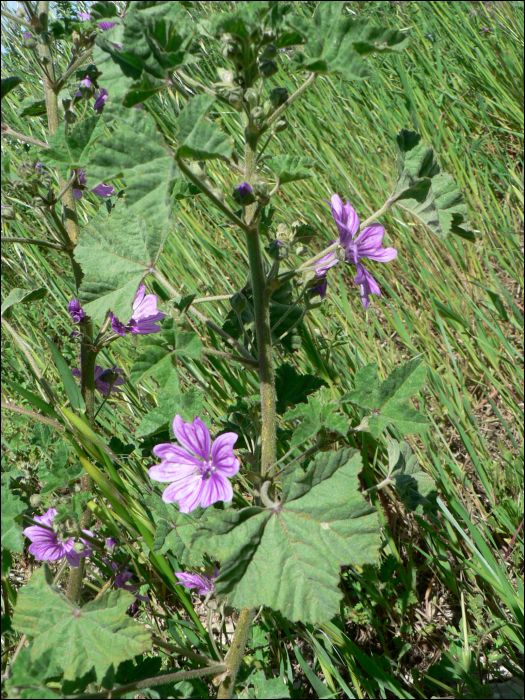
(104,191)
(77,194)
(187,492)
(222,454)
(194,437)
(321,288)
(204,584)
(106,25)
(84,16)
(116,325)
(76,311)
(346,219)
(368,285)
(100,99)
(216,488)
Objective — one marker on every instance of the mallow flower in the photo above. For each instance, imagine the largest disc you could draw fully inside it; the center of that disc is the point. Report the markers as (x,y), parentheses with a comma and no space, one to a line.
(204,584)
(100,99)
(101,190)
(145,315)
(366,244)
(85,17)
(76,312)
(197,470)
(103,379)
(47,546)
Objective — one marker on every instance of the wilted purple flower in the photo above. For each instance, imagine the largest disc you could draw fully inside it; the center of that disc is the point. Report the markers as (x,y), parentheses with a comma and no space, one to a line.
(101,190)
(204,584)
(76,311)
(145,315)
(122,578)
(321,288)
(102,379)
(47,546)
(117,46)
(198,471)
(100,98)
(106,25)
(367,244)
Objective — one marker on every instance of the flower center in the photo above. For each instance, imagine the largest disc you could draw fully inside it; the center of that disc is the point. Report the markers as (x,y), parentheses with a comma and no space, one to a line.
(206,469)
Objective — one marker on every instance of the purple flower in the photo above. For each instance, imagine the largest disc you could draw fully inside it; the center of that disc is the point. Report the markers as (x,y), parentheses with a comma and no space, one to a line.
(325,263)
(121,581)
(243,194)
(76,311)
(28,35)
(101,190)
(46,545)
(243,189)
(198,471)
(100,99)
(320,289)
(38,166)
(366,244)
(102,379)
(86,82)
(106,25)
(145,315)
(84,16)
(204,584)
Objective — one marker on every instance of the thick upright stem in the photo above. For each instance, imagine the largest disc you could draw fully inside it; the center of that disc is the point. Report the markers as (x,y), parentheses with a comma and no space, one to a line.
(236,652)
(48,77)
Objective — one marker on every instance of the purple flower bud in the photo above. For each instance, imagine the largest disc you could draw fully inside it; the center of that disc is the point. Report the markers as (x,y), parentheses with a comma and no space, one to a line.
(28,35)
(100,98)
(106,25)
(77,312)
(86,82)
(243,194)
(101,190)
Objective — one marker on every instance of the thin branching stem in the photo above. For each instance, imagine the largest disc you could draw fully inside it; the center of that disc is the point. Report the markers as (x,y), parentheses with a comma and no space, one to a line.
(7,131)
(33,241)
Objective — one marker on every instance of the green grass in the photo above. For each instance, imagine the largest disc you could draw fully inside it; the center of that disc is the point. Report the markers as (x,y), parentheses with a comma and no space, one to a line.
(445,589)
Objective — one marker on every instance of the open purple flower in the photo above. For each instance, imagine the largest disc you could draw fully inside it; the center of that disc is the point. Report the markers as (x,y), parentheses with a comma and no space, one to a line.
(145,315)
(103,379)
(100,98)
(197,471)
(76,311)
(47,546)
(122,578)
(204,584)
(101,190)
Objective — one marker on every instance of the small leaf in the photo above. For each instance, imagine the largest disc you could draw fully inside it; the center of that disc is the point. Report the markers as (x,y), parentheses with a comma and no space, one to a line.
(70,148)
(95,636)
(188,405)
(388,400)
(136,152)
(197,138)
(319,413)
(70,385)
(32,108)
(129,248)
(426,192)
(9,84)
(290,168)
(292,387)
(12,507)
(413,485)
(22,296)
(337,43)
(289,558)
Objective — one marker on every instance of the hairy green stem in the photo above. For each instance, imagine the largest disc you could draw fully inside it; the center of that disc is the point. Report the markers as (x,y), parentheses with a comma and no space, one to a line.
(31,414)
(275,115)
(236,652)
(16,18)
(7,131)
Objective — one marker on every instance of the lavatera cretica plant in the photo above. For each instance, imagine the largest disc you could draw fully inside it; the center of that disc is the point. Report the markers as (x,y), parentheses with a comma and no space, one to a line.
(255,501)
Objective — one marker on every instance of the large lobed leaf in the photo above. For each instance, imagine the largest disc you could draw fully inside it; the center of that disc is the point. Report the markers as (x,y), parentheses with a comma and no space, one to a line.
(426,192)
(115,251)
(92,637)
(318,414)
(338,44)
(388,400)
(70,147)
(197,138)
(288,558)
(175,531)
(136,152)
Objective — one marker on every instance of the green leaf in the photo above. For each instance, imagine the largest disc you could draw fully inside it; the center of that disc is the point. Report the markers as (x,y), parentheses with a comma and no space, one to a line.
(425,191)
(22,296)
(94,636)
(160,356)
(268,688)
(61,474)
(175,531)
(338,44)
(197,138)
(388,400)
(288,557)
(9,84)
(116,251)
(70,147)
(70,385)
(413,485)
(316,415)
(188,405)
(32,108)
(292,387)
(136,152)
(28,675)
(12,507)
(290,168)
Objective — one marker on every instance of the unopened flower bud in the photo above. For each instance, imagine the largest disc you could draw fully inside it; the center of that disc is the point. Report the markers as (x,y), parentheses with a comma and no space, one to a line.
(267,68)
(243,194)
(70,117)
(226,76)
(301,251)
(8,213)
(280,125)
(257,113)
(296,341)
(35,500)
(238,302)
(66,102)
(278,96)
(309,277)
(30,42)
(260,188)
(79,547)
(278,250)
(252,97)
